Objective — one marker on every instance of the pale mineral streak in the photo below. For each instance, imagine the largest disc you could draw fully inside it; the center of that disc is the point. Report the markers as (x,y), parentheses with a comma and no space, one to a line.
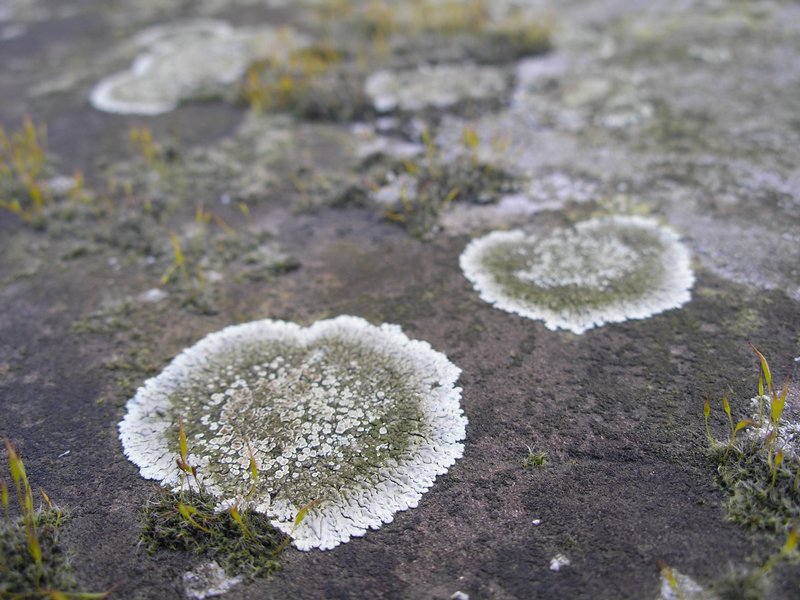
(356,418)
(605,270)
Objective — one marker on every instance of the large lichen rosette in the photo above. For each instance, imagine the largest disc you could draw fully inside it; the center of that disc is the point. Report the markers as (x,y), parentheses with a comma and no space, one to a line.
(604,270)
(356,419)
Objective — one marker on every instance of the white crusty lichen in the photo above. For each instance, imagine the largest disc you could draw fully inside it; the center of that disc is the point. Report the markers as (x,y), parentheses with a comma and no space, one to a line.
(677,586)
(439,86)
(558,562)
(193,58)
(207,581)
(604,270)
(357,419)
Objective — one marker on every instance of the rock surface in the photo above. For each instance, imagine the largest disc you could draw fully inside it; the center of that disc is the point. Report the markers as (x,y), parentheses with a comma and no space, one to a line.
(684,112)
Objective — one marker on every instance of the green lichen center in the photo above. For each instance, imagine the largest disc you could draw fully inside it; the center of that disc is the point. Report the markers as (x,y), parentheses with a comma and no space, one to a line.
(518,266)
(319,419)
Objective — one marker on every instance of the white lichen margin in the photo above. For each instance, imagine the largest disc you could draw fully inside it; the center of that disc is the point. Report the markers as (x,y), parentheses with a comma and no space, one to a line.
(350,507)
(580,258)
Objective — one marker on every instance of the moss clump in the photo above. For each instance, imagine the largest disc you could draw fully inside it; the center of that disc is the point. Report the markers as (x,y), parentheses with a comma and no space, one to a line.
(755,501)
(24,167)
(437,183)
(443,31)
(536,459)
(761,472)
(20,576)
(32,562)
(187,521)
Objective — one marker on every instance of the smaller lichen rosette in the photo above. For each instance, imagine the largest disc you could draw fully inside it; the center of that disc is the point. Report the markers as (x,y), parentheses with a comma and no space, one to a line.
(188,59)
(605,270)
(353,419)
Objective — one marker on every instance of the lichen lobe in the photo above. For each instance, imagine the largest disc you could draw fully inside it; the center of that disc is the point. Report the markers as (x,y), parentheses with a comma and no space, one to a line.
(355,418)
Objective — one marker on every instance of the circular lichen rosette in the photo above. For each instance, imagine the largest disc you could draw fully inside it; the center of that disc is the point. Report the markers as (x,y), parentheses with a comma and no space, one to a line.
(196,58)
(355,419)
(604,270)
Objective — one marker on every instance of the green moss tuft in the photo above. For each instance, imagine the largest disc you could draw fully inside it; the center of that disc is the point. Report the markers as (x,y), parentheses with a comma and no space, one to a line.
(251,551)
(19,574)
(536,459)
(744,472)
(438,183)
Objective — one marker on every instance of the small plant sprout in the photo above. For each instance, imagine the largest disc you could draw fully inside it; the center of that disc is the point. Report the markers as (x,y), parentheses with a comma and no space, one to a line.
(4,499)
(706,414)
(144,145)
(777,402)
(787,552)
(178,264)
(726,406)
(25,499)
(253,471)
(183,459)
(280,82)
(188,512)
(471,142)
(23,165)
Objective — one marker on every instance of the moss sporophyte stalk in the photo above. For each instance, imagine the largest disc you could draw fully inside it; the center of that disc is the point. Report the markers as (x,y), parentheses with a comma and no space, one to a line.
(344,423)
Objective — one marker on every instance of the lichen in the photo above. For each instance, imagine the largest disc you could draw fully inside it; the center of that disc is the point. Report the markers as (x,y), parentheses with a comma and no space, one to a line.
(440,86)
(604,270)
(195,58)
(677,586)
(355,418)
